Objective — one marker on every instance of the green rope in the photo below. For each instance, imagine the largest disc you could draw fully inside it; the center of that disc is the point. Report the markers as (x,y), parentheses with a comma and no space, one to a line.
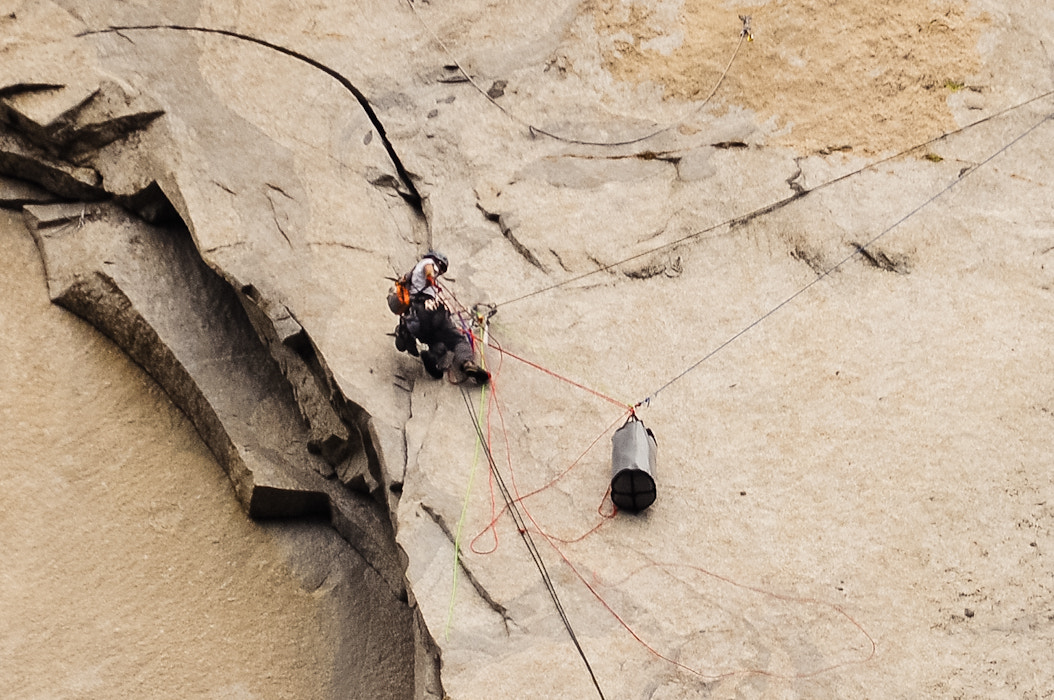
(464,514)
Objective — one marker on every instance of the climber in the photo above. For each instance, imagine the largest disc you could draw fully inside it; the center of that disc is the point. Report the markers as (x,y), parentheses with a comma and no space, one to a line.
(428,320)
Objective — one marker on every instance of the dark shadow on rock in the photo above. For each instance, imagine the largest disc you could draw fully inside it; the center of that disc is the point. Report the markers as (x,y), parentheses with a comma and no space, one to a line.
(147,288)
(234,359)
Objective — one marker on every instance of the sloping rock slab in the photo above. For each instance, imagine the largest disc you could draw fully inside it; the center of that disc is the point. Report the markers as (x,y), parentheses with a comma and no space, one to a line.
(147,288)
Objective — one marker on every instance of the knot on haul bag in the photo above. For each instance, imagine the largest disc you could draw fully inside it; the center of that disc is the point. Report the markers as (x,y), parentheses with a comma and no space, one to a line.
(633,449)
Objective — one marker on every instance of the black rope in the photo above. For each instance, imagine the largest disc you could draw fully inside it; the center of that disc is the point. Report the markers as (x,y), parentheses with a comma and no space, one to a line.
(413,196)
(525,535)
(860,250)
(769,208)
(744,35)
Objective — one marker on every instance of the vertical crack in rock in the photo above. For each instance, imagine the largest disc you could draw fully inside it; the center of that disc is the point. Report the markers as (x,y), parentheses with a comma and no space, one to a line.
(794,180)
(482,592)
(810,256)
(506,224)
(278,217)
(340,431)
(560,261)
(897,264)
(428,683)
(527,254)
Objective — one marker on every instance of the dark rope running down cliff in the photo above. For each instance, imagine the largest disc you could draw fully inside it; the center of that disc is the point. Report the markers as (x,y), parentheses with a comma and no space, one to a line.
(412,195)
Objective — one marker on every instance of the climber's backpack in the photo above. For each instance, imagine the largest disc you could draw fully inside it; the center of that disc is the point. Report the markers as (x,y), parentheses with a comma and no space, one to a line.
(399,295)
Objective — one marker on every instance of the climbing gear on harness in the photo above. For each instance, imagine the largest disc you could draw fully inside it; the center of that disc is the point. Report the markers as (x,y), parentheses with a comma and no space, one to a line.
(432,359)
(404,339)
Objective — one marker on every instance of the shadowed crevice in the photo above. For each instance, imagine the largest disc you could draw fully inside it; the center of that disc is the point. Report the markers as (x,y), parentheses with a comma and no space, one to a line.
(147,288)
(412,196)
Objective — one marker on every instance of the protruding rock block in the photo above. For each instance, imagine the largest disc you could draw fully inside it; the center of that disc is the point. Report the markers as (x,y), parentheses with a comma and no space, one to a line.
(147,288)
(22,159)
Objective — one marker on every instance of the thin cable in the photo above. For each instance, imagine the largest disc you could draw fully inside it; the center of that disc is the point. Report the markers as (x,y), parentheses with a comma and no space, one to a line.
(525,535)
(859,251)
(496,515)
(665,567)
(769,208)
(446,294)
(552,540)
(744,35)
(562,378)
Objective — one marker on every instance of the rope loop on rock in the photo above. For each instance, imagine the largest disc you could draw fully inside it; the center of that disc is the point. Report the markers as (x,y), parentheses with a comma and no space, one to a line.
(533,130)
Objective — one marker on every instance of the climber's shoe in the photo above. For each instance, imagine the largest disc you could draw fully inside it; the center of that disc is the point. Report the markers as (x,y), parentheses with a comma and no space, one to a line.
(474,371)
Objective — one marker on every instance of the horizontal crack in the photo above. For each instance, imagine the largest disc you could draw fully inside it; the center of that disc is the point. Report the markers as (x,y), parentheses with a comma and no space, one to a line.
(775,206)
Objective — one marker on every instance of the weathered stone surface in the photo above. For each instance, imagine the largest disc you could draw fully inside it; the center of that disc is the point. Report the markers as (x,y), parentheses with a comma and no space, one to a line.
(14,194)
(130,569)
(108,115)
(146,287)
(57,119)
(21,159)
(841,352)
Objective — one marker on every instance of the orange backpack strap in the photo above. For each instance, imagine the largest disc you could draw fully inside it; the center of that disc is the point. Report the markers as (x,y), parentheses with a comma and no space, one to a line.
(399,295)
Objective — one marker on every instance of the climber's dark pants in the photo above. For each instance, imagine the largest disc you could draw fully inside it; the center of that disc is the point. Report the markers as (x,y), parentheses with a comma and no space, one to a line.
(437,330)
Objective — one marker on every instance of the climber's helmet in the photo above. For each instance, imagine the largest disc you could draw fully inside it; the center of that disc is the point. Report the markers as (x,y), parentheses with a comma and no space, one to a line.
(440,260)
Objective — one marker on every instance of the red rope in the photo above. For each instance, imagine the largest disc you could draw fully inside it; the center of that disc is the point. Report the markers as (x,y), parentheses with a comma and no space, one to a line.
(754,589)
(496,514)
(553,541)
(562,378)
(495,406)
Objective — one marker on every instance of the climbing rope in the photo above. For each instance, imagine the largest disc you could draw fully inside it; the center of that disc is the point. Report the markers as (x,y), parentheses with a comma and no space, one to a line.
(464,514)
(528,540)
(496,346)
(745,35)
(496,514)
(860,250)
(515,504)
(732,224)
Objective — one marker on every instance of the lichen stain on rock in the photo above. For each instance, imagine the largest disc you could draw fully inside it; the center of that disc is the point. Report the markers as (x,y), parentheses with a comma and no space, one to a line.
(876,76)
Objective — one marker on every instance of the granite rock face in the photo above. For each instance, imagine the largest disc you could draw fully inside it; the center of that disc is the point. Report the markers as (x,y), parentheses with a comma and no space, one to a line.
(808,246)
